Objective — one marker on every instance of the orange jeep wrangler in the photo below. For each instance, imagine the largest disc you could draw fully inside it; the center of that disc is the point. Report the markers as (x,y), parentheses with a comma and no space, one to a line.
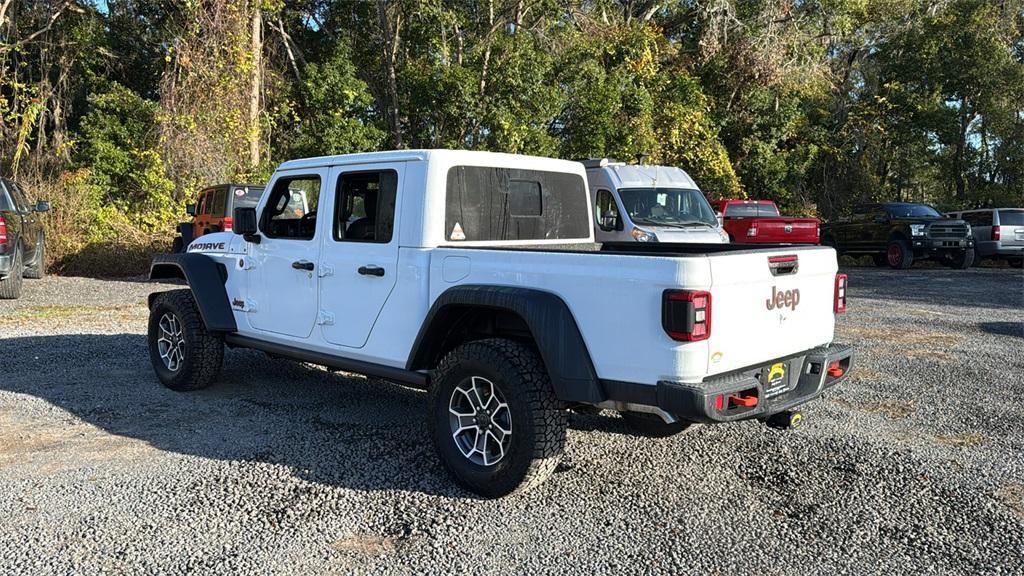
(213,209)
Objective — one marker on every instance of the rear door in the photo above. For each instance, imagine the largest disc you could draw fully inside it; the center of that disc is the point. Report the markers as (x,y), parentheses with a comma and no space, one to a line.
(31,228)
(359,266)
(769,304)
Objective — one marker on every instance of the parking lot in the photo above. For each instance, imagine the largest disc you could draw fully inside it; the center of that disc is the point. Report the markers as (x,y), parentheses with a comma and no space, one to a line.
(916,464)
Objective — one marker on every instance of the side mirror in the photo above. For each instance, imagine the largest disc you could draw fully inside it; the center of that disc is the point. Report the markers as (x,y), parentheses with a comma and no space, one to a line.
(190,209)
(610,221)
(244,223)
(42,206)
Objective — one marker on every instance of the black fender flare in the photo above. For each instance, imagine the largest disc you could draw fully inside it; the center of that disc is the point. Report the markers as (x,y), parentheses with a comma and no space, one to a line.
(206,277)
(548,318)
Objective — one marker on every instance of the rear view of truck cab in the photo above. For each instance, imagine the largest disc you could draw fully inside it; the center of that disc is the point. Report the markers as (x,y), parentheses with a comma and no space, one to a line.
(647,203)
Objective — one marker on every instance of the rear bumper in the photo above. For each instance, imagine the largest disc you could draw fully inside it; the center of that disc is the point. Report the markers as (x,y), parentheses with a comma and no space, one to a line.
(808,377)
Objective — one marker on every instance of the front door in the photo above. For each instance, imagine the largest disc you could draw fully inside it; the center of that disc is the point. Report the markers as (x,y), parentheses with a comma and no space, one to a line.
(359,266)
(282,280)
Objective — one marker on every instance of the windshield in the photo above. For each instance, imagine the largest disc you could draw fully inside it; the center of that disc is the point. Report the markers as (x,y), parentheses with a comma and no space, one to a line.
(1011,217)
(912,211)
(248,197)
(752,210)
(667,206)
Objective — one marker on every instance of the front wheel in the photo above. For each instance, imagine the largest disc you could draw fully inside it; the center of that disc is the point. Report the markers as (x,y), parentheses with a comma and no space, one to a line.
(184,355)
(961,260)
(494,418)
(38,268)
(899,255)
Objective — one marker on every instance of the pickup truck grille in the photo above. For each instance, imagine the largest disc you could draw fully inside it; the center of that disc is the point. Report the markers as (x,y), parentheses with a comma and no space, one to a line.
(939,231)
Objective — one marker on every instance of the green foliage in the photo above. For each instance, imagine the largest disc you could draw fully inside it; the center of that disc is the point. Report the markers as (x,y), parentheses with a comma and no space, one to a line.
(334,117)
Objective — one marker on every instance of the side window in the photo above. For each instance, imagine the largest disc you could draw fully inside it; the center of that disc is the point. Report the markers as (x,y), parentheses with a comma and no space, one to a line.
(202,206)
(18,196)
(606,211)
(217,205)
(978,218)
(291,208)
(365,206)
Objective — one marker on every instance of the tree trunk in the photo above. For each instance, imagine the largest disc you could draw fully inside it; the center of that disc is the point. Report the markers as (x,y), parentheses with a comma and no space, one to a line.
(961,146)
(390,50)
(257,84)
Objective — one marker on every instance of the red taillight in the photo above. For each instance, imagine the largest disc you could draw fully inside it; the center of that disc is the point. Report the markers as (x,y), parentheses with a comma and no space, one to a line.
(686,315)
(840,294)
(3,230)
(228,223)
(995,233)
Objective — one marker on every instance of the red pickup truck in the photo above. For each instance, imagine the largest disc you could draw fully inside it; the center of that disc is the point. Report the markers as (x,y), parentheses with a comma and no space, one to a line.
(759,222)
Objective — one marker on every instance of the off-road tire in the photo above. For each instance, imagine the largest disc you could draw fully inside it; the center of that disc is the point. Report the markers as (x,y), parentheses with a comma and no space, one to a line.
(899,256)
(538,419)
(652,426)
(203,351)
(38,268)
(10,287)
(961,261)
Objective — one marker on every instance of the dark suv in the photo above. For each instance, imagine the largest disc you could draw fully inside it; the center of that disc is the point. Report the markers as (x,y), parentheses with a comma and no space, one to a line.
(213,210)
(897,233)
(22,241)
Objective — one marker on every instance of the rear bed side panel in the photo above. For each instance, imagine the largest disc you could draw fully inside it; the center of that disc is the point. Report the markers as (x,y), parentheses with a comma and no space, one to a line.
(615,299)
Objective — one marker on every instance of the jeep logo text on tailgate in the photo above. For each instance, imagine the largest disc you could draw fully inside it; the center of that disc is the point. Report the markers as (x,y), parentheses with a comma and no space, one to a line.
(783,299)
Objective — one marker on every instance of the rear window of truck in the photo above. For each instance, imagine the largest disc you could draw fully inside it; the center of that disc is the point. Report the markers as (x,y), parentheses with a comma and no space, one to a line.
(484,203)
(1011,217)
(751,211)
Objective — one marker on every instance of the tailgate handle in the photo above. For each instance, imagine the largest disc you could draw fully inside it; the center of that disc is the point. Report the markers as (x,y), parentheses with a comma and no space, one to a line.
(783,265)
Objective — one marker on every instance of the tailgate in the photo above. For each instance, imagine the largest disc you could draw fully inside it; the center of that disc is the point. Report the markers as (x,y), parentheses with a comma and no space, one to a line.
(787,229)
(759,315)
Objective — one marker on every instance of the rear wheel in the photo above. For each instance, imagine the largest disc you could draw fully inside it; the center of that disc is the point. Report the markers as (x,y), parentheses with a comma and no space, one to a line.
(494,418)
(184,355)
(38,268)
(899,255)
(652,425)
(10,287)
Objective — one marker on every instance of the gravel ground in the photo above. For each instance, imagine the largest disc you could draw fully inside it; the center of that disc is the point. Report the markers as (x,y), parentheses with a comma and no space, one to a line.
(915,465)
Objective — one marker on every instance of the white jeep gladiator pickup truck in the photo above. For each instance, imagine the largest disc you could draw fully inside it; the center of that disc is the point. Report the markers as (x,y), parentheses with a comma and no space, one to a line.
(475,276)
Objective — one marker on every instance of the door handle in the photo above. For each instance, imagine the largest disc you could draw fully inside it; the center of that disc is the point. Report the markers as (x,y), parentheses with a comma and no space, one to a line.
(371,271)
(303,265)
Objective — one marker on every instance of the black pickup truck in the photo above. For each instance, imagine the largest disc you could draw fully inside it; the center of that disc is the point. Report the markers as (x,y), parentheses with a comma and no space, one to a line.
(897,233)
(22,242)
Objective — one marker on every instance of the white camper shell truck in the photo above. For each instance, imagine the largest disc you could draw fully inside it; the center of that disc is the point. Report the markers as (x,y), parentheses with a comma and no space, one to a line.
(475,276)
(645,203)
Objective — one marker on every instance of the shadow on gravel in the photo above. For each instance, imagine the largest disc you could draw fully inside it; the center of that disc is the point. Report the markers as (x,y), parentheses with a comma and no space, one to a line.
(1003,328)
(988,288)
(329,428)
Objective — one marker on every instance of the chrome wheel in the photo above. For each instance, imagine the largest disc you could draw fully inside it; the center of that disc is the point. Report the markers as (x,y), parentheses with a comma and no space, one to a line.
(170,342)
(480,421)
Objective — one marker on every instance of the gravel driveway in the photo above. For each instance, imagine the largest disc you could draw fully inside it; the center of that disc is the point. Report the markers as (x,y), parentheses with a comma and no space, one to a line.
(915,465)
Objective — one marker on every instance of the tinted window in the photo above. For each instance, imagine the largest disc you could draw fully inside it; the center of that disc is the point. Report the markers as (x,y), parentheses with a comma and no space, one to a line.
(365,207)
(291,209)
(217,205)
(752,210)
(667,206)
(485,203)
(18,196)
(977,218)
(5,202)
(203,203)
(607,211)
(912,211)
(1011,217)
(247,197)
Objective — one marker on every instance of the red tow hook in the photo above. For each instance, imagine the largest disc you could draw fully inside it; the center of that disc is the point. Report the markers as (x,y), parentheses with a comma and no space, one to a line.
(835,370)
(747,401)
